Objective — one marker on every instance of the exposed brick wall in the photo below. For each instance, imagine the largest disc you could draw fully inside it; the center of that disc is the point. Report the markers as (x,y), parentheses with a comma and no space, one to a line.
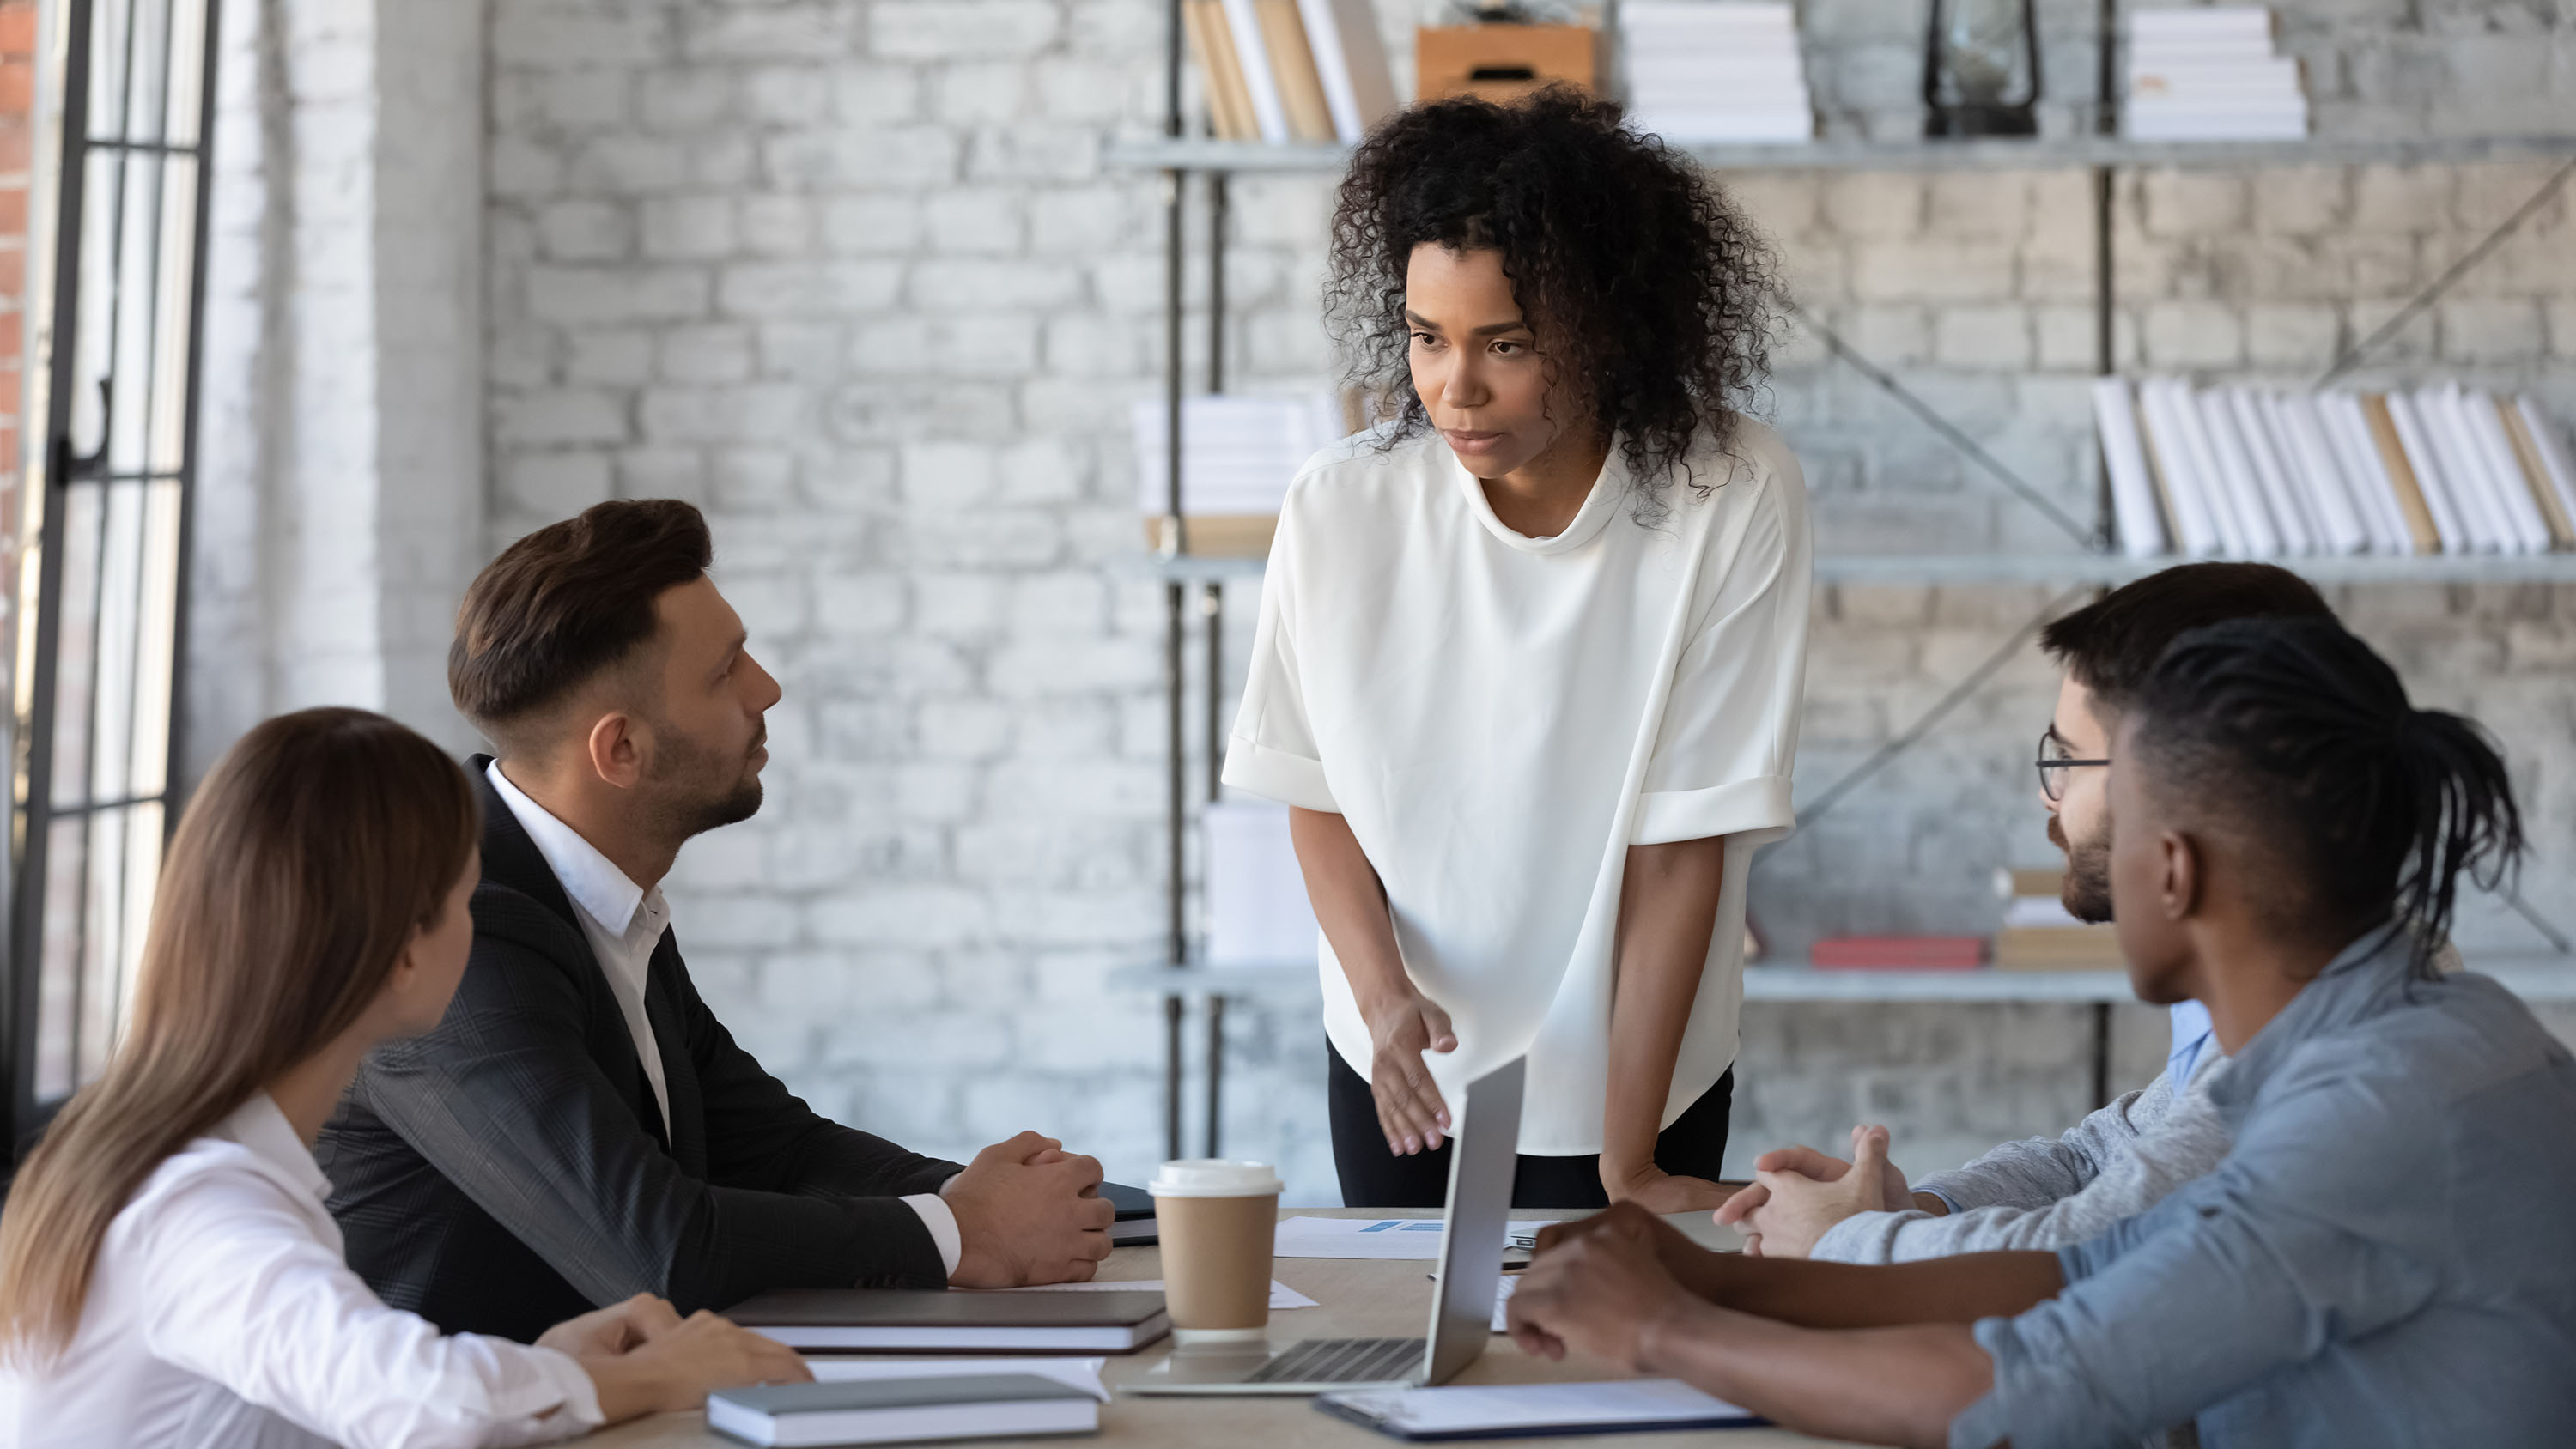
(850,274)
(17,106)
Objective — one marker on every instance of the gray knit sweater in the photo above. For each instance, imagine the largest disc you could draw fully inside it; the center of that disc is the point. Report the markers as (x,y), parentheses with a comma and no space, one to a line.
(2047,1192)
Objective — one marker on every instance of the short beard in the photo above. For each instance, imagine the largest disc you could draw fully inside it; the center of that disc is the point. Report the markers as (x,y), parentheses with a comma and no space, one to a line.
(684,769)
(2086,893)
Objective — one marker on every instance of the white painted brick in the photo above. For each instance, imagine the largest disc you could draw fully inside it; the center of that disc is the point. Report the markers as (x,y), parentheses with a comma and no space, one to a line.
(572,33)
(799,29)
(871,225)
(1928,270)
(2304,201)
(860,604)
(803,289)
(2401,199)
(609,355)
(1983,337)
(585,231)
(556,484)
(1034,153)
(748,413)
(712,352)
(788,95)
(621,165)
(981,94)
(2292,336)
(1875,207)
(683,100)
(883,156)
(661,470)
(2491,331)
(2066,337)
(1990,204)
(2193,334)
(963,284)
(959,29)
(875,94)
(688,228)
(1080,91)
(577,295)
(975,221)
(2193,203)
(776,226)
(559,415)
(752,478)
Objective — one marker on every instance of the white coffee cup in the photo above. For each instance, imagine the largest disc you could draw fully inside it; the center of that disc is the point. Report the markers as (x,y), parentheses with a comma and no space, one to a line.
(1217,1220)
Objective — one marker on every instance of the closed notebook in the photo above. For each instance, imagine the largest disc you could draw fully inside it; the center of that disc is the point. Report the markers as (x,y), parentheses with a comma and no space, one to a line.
(939,1321)
(1518,1411)
(1135,1222)
(884,1411)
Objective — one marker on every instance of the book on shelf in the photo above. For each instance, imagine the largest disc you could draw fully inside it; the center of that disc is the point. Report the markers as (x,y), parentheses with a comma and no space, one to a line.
(1238,455)
(2247,472)
(1229,104)
(902,1410)
(1897,953)
(2210,74)
(1702,73)
(1350,56)
(1282,72)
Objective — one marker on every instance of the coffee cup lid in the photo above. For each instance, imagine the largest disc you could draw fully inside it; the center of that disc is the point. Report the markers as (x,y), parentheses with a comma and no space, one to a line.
(1213,1177)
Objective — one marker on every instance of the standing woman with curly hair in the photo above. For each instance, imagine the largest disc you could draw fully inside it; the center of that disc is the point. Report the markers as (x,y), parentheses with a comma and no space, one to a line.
(1530,654)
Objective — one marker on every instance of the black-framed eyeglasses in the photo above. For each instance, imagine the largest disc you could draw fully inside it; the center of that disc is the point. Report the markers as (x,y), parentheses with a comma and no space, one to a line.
(2055,759)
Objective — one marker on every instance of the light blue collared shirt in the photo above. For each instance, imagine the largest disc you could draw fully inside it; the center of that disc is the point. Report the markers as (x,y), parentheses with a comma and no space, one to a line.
(2385,1258)
(2191,1033)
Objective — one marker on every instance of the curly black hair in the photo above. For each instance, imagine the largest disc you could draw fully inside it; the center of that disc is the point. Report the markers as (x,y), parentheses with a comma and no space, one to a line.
(1643,284)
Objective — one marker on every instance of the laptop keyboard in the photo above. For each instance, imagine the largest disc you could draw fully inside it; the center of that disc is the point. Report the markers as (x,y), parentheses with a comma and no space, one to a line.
(1344,1361)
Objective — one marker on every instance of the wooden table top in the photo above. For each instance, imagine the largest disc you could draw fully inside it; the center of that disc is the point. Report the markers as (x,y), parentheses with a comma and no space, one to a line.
(1356,1298)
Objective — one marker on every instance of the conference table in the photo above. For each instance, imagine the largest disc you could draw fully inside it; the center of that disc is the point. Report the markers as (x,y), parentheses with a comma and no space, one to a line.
(1355,1298)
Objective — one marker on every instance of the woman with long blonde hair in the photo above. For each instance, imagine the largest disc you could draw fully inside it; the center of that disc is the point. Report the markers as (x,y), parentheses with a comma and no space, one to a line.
(168,1274)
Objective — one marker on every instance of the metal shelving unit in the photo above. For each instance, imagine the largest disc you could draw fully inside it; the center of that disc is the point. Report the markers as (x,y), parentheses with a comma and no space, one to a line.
(1178,156)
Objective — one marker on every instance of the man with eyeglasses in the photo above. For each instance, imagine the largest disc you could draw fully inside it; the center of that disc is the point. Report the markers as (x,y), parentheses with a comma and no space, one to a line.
(2046,1192)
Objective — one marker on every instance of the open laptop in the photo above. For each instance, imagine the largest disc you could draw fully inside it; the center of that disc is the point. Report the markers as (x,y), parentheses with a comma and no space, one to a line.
(1487,1148)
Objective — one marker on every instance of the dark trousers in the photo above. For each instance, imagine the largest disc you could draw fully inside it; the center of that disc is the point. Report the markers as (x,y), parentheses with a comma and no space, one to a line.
(1374,1177)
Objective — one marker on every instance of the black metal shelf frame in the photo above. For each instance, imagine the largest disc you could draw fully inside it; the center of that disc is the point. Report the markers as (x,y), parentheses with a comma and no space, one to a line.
(1178,156)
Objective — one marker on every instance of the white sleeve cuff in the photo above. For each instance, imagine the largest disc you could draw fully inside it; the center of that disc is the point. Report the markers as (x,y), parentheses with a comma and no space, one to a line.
(1758,807)
(942,1222)
(576,1410)
(1278,775)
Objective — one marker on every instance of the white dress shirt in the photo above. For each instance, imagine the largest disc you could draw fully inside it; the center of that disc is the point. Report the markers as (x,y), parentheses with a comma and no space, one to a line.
(1500,717)
(222,1315)
(624,923)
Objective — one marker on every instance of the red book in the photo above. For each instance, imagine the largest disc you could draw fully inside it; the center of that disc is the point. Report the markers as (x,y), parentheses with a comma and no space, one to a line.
(1898,953)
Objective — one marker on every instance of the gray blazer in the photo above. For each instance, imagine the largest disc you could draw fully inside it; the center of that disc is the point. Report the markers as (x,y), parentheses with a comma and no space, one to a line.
(511,1169)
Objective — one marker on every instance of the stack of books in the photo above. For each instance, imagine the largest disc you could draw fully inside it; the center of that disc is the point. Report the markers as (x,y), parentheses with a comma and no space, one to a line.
(2246,472)
(1699,71)
(2209,74)
(1257,910)
(1290,71)
(2038,932)
(1238,455)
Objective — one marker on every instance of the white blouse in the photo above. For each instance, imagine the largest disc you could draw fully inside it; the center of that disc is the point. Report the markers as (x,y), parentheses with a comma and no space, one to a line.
(1500,717)
(223,1315)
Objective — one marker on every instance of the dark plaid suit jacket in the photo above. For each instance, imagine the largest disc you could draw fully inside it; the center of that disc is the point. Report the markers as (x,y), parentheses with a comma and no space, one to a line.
(511,1169)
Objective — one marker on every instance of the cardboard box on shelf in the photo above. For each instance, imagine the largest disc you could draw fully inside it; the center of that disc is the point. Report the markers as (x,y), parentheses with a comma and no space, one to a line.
(1502,63)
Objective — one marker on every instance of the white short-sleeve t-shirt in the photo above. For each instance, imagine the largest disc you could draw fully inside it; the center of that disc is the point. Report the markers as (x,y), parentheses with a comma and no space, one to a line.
(1500,717)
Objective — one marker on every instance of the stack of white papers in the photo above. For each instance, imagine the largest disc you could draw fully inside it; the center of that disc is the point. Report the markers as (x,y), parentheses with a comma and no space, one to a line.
(2203,74)
(1379,1238)
(1281,1295)
(1238,454)
(1257,910)
(1715,71)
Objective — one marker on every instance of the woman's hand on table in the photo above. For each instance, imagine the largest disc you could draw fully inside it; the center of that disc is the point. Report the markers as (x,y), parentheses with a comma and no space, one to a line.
(1661,1192)
(643,1358)
(1402,1026)
(1603,1288)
